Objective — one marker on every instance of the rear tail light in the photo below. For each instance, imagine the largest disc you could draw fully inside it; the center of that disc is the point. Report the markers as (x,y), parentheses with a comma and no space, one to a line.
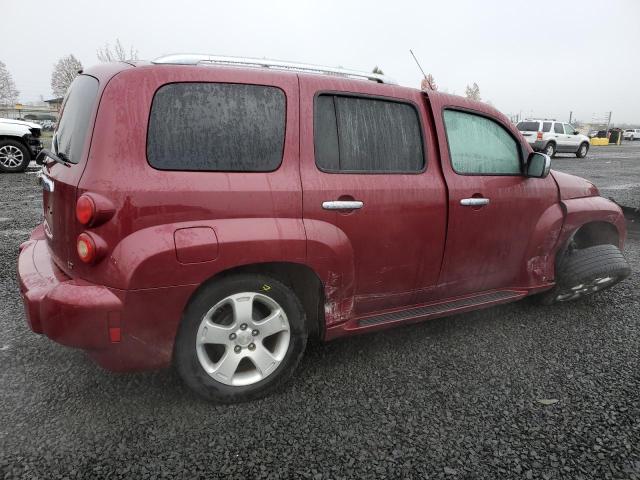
(86,247)
(85,210)
(539,137)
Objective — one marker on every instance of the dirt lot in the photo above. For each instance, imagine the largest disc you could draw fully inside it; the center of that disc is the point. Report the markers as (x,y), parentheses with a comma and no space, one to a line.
(457,397)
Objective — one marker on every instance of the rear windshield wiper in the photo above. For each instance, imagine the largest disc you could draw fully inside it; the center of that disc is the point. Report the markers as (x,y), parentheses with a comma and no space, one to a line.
(59,157)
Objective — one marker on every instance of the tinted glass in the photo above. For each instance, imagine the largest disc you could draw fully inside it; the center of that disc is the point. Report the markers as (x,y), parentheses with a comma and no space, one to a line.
(546,126)
(528,126)
(557,128)
(355,134)
(479,145)
(217,127)
(325,131)
(74,123)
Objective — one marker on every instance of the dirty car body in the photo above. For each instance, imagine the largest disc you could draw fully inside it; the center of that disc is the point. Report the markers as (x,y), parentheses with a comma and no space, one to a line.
(363,244)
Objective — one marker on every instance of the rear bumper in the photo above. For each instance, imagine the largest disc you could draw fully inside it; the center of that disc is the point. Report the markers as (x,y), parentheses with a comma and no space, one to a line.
(121,330)
(69,311)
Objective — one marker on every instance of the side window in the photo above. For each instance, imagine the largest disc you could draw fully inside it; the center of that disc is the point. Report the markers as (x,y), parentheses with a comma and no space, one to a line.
(557,128)
(216,127)
(568,129)
(546,126)
(356,134)
(479,145)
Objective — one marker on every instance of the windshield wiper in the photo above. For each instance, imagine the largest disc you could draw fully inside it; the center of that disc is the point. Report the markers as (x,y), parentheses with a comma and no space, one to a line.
(59,157)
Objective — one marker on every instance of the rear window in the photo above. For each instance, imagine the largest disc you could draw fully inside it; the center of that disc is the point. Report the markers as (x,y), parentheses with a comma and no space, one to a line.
(357,134)
(528,126)
(216,127)
(74,123)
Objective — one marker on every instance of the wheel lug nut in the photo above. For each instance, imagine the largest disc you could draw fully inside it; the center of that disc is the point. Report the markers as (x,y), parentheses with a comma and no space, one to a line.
(255,333)
(232,336)
(252,346)
(243,326)
(237,348)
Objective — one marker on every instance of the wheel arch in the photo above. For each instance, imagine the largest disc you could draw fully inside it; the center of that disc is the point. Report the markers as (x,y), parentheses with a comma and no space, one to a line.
(20,140)
(302,279)
(596,233)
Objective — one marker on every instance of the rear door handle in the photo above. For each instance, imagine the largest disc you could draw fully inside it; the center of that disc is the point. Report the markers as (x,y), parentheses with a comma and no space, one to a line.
(474,202)
(342,205)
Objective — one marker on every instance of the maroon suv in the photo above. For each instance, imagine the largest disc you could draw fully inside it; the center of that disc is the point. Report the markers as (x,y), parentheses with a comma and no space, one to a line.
(215,214)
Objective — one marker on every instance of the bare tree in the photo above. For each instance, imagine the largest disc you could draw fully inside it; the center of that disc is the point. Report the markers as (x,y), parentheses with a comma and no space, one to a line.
(377,70)
(428,83)
(472,92)
(8,92)
(117,54)
(63,74)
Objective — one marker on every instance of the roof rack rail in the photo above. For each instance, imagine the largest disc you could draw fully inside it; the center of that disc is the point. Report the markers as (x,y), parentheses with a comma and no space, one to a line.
(197,59)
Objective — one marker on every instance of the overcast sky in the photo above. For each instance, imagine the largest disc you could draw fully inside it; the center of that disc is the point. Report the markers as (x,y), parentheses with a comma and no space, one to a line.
(538,57)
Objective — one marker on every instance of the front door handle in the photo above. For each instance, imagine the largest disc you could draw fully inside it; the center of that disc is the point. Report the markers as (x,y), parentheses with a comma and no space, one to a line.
(342,205)
(474,202)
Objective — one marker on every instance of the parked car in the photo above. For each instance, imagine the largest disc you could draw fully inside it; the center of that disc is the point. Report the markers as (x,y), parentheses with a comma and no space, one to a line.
(553,137)
(631,134)
(262,207)
(19,144)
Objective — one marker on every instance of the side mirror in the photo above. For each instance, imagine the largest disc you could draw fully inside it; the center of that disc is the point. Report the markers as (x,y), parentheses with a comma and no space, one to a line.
(538,165)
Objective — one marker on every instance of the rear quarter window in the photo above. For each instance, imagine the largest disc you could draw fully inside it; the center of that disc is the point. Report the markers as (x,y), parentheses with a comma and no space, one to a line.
(217,127)
(74,123)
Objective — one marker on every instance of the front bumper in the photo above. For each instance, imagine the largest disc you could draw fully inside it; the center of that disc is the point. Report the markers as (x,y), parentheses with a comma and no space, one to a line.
(35,145)
(70,311)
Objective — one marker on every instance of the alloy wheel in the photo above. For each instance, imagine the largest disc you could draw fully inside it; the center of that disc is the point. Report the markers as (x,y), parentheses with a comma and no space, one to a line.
(585,288)
(11,156)
(243,339)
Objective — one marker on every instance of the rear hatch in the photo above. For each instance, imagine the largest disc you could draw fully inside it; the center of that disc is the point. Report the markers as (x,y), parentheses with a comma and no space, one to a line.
(529,130)
(71,141)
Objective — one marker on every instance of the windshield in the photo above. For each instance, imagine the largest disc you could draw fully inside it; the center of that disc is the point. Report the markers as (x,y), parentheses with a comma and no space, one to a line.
(528,126)
(74,123)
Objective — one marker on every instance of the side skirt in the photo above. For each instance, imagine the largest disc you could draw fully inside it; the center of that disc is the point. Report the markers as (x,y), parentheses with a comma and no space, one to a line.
(424,312)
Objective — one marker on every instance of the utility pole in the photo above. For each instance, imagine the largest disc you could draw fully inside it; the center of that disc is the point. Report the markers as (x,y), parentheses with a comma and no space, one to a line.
(608,122)
(570,115)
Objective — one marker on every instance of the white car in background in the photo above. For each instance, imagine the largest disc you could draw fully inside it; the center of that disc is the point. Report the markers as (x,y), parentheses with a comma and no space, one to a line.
(631,134)
(551,137)
(19,144)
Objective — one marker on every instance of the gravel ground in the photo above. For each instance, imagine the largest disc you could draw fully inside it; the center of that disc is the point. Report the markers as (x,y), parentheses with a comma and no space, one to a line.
(451,398)
(614,169)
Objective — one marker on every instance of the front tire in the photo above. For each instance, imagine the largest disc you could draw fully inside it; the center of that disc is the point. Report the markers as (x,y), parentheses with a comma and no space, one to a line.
(240,338)
(14,156)
(550,149)
(585,272)
(582,150)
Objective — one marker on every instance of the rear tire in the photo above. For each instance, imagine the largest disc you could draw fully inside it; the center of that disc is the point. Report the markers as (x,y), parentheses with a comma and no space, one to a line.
(241,338)
(550,149)
(582,150)
(14,156)
(585,272)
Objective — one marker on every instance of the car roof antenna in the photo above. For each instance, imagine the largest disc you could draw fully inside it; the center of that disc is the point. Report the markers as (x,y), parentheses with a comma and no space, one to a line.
(418,63)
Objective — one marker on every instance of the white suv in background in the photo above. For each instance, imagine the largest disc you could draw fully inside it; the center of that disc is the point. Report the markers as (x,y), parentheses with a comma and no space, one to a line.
(553,137)
(631,134)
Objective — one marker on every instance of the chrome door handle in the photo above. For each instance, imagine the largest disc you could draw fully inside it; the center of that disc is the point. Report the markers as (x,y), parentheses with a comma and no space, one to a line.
(342,205)
(474,202)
